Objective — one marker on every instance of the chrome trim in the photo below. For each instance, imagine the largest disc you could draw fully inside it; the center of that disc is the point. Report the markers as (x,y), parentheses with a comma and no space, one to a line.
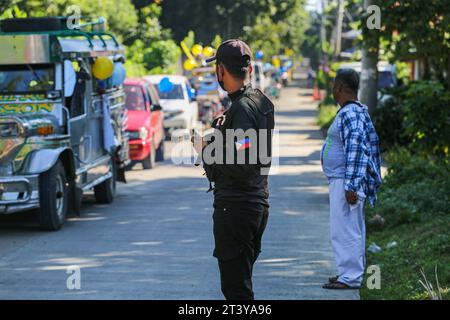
(17,180)
(94,164)
(97,181)
(32,204)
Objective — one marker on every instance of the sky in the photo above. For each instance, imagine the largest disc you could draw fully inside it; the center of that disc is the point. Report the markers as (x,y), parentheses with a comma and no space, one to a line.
(313,5)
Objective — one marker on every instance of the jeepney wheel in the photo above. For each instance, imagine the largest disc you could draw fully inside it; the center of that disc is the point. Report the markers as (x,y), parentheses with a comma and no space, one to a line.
(160,151)
(104,192)
(53,197)
(149,162)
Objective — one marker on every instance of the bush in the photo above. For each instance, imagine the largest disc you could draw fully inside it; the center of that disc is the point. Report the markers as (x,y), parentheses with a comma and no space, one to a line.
(418,117)
(326,115)
(427,114)
(388,120)
(415,188)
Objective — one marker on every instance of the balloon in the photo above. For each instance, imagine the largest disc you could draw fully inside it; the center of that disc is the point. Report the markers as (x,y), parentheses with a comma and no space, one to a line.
(101,84)
(197,50)
(186,50)
(191,93)
(102,68)
(259,54)
(276,62)
(70,78)
(189,64)
(118,75)
(208,51)
(165,85)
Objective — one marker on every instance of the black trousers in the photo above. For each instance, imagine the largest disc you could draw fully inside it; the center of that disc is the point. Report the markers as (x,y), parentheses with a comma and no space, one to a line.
(238,229)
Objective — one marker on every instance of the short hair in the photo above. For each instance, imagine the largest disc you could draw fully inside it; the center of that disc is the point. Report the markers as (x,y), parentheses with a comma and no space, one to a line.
(236,71)
(349,78)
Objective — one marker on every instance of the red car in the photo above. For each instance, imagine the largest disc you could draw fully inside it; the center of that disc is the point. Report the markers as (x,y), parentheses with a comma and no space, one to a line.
(145,123)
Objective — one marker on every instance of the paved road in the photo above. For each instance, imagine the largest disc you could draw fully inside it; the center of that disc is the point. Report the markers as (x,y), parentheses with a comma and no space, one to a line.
(155,241)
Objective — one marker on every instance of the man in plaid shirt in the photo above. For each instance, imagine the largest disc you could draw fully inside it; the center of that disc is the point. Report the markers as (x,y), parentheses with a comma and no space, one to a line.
(351,161)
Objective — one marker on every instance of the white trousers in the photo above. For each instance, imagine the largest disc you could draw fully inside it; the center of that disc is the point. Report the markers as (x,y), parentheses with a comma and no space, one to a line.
(348,235)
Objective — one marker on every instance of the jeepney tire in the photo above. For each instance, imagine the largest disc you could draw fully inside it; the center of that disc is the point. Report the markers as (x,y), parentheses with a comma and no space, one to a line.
(105,192)
(53,186)
(160,151)
(149,162)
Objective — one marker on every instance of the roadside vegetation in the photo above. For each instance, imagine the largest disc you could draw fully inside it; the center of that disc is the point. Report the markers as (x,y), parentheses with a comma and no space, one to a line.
(326,115)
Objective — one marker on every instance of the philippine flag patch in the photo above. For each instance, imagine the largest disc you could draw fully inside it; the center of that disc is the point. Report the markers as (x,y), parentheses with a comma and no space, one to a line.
(243,144)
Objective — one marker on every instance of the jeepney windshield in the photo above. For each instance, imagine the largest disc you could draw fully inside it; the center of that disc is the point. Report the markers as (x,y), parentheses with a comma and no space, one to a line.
(26,78)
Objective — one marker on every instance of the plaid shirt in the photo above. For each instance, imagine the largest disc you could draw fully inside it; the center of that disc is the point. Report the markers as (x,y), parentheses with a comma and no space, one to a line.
(362,169)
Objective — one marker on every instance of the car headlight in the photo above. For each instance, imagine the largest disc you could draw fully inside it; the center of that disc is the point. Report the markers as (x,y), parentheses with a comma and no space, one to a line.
(143,133)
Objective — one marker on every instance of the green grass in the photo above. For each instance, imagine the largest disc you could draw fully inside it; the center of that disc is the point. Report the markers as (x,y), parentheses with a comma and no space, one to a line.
(421,245)
(326,115)
(414,201)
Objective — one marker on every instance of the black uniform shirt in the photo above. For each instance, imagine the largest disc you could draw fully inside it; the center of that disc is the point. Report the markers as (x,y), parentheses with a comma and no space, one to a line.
(250,109)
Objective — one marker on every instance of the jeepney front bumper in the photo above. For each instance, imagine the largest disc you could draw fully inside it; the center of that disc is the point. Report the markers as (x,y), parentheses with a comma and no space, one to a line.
(18,193)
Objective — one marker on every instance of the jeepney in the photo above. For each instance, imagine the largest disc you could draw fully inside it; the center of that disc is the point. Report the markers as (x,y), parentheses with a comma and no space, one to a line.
(62,130)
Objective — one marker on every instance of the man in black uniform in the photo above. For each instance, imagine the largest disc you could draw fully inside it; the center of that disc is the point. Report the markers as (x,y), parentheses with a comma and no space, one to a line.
(240,188)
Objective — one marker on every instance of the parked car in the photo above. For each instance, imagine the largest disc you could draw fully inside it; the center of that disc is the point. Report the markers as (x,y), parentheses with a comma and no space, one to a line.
(179,103)
(145,123)
(62,131)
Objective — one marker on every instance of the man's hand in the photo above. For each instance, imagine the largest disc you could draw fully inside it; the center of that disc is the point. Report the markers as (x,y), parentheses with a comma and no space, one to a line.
(198,143)
(352,197)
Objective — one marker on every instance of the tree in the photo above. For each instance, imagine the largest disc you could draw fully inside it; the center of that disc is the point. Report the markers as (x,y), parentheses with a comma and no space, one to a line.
(120,15)
(369,72)
(311,47)
(419,30)
(226,18)
(149,47)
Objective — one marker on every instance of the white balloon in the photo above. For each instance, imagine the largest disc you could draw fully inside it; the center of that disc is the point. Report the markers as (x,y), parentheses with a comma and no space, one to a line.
(70,78)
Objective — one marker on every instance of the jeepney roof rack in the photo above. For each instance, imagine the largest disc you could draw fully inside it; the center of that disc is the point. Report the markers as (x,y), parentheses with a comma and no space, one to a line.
(57,26)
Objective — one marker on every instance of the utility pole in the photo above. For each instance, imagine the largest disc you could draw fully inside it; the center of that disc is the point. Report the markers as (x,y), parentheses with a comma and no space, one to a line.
(339,21)
(369,73)
(323,31)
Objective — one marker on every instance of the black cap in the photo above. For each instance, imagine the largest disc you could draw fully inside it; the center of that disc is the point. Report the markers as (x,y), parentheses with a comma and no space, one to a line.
(233,52)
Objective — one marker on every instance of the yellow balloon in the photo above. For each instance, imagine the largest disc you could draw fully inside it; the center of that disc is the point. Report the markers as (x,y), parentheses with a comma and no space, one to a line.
(102,68)
(197,50)
(276,62)
(208,51)
(189,64)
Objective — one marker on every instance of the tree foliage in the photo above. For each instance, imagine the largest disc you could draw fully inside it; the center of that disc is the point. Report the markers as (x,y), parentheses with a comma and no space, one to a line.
(149,47)
(269,25)
(418,30)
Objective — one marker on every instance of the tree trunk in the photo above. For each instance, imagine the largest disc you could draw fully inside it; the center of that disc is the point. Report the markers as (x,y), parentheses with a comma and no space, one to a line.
(339,21)
(369,74)
(323,32)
